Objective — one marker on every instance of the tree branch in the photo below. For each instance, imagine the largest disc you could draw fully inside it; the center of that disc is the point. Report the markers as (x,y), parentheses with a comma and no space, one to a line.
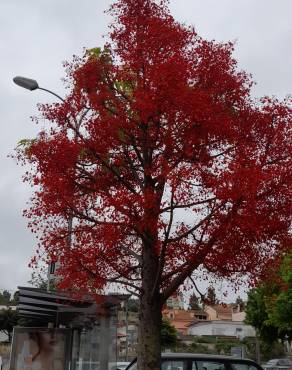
(194,228)
(163,250)
(197,289)
(177,206)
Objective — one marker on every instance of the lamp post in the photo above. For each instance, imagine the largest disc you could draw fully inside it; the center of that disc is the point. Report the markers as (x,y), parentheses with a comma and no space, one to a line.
(30,84)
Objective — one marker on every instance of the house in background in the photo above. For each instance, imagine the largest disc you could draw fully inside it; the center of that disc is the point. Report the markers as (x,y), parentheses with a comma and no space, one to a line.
(175,301)
(224,320)
(219,312)
(181,319)
(238,313)
(127,334)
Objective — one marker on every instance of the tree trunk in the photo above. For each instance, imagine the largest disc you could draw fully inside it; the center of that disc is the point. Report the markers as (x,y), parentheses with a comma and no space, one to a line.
(150,315)
(149,335)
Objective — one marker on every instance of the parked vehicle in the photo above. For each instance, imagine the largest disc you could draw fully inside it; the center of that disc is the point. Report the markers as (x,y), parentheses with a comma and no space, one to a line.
(191,361)
(278,364)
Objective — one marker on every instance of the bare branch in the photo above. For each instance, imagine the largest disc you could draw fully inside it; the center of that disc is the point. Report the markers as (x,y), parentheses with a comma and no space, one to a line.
(125,283)
(176,206)
(132,253)
(133,293)
(104,162)
(197,289)
(197,260)
(132,167)
(228,150)
(194,228)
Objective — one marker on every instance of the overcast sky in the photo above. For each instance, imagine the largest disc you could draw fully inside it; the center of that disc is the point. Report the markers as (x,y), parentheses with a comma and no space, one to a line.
(37,36)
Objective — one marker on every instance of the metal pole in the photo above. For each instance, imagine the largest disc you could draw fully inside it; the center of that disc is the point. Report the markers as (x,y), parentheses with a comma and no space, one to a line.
(258,351)
(127,341)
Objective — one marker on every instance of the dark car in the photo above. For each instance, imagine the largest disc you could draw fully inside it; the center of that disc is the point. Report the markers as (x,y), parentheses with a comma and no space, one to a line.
(278,364)
(190,361)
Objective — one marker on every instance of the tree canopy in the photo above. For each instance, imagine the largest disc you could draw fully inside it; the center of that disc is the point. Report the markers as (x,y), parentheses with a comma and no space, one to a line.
(158,163)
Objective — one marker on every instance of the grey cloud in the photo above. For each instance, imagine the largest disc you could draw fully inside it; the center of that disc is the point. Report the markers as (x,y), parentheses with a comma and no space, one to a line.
(262,30)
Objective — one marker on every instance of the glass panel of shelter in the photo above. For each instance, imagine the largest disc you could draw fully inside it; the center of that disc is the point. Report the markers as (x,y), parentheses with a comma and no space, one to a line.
(94,348)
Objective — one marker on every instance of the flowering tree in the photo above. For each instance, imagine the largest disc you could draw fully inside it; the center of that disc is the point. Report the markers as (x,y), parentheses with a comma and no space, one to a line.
(159,163)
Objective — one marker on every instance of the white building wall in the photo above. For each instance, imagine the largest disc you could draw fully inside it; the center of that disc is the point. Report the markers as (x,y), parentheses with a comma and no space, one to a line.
(222,328)
(200,329)
(238,316)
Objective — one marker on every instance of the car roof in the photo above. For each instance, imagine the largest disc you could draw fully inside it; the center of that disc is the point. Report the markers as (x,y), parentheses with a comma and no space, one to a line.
(197,355)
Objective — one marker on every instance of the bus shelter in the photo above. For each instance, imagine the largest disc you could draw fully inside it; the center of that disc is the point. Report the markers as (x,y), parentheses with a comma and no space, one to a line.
(60,332)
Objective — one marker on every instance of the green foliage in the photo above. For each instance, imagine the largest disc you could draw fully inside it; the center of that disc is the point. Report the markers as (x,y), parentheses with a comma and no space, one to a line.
(199,348)
(280,307)
(14,301)
(224,346)
(193,348)
(274,350)
(257,316)
(240,303)
(211,298)
(39,280)
(133,305)
(267,350)
(269,306)
(103,55)
(24,145)
(169,337)
(8,319)
(205,339)
(194,302)
(5,297)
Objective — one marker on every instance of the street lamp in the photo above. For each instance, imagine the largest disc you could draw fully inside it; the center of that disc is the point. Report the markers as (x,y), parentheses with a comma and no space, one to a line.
(29,84)
(26,83)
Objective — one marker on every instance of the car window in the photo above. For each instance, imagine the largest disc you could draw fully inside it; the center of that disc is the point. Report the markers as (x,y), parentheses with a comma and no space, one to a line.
(174,365)
(284,362)
(208,365)
(272,362)
(240,366)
